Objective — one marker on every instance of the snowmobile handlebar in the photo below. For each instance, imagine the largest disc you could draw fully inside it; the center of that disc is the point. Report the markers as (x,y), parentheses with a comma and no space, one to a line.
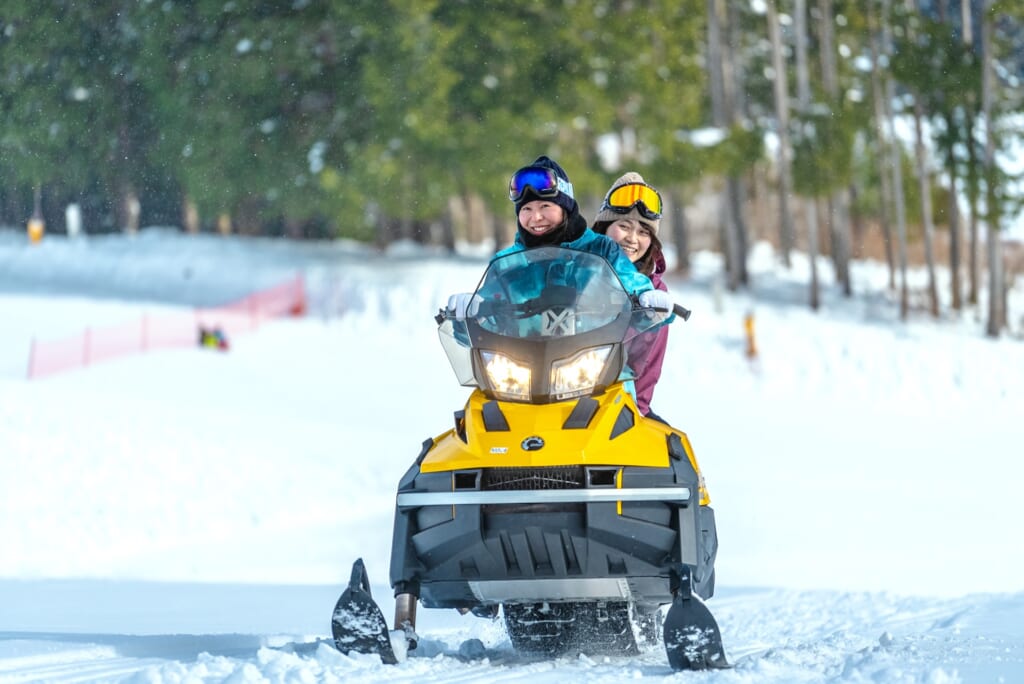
(682,312)
(678,309)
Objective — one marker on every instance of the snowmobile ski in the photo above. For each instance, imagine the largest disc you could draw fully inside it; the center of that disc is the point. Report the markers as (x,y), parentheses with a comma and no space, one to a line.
(693,640)
(358,624)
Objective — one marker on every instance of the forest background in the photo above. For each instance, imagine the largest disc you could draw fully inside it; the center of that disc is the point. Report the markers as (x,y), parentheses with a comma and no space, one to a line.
(838,127)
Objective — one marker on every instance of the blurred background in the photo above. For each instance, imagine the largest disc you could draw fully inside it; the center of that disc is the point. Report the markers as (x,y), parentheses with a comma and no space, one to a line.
(888,129)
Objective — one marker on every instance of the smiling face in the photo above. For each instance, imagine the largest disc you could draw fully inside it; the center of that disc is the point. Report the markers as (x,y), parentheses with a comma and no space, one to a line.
(634,237)
(540,216)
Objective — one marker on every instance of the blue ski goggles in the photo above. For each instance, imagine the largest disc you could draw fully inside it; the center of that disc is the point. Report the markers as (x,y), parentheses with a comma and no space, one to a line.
(543,182)
(624,198)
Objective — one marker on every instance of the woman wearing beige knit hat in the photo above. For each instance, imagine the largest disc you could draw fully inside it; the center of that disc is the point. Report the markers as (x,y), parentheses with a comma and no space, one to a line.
(630,215)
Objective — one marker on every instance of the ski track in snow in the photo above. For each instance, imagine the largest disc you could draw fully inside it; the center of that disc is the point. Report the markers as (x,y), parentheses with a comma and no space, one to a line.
(771,636)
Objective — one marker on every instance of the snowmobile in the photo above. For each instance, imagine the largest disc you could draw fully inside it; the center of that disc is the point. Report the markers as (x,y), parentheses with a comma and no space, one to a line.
(551,500)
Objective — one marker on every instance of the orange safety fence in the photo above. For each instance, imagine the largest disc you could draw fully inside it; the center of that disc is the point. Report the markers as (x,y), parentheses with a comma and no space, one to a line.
(96,344)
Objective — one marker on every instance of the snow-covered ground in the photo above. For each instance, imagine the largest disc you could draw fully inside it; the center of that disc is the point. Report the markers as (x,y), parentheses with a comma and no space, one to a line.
(190,515)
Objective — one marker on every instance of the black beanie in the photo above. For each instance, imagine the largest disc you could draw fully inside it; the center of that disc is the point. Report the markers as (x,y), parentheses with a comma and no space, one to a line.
(571,228)
(567,202)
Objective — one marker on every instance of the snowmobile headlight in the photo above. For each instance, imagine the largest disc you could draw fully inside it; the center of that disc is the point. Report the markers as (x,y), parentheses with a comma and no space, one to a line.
(577,375)
(508,378)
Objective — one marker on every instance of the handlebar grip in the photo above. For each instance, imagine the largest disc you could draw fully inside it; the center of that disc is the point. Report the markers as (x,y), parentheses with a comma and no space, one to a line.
(682,312)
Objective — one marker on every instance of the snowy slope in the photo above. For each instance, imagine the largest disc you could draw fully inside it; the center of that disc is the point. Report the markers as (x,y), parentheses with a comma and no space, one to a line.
(189,515)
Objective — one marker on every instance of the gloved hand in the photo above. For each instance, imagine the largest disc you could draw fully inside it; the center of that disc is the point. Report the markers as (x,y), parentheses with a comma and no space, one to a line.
(464,305)
(656,299)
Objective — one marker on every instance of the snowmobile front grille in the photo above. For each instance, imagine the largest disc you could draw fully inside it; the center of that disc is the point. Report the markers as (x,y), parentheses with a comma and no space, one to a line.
(558,477)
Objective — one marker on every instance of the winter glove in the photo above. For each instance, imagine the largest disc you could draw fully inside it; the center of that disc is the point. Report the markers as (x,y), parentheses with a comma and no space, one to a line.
(464,305)
(656,299)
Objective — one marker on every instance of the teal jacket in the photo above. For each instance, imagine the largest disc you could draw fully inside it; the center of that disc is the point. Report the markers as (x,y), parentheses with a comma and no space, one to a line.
(633,280)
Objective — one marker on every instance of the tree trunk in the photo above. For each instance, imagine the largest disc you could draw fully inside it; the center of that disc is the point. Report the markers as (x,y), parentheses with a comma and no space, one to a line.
(13,205)
(448,231)
(247,218)
(715,80)
(996,320)
(804,96)
(189,215)
(737,195)
(724,112)
(781,91)
(500,229)
(973,268)
(680,232)
(967,22)
(924,185)
(896,161)
(730,238)
(839,221)
(128,208)
(955,238)
(224,223)
(881,154)
(736,114)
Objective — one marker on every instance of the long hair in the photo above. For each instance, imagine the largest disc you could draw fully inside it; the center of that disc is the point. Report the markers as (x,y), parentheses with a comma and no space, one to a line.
(647,262)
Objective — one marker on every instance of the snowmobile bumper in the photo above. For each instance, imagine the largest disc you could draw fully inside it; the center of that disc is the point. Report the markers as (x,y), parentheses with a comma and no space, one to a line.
(612,534)
(469,498)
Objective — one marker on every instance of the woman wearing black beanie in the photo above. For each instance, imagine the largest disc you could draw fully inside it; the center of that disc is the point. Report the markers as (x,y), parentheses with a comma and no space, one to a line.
(547,214)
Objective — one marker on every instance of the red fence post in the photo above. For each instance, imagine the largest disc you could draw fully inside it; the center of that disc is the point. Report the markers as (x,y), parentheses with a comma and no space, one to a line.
(298,307)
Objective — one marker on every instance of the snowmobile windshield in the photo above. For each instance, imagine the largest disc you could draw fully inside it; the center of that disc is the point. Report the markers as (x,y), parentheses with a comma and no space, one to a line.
(550,292)
(543,319)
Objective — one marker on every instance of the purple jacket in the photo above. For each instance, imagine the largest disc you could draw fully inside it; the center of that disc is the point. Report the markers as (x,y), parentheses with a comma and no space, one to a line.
(647,351)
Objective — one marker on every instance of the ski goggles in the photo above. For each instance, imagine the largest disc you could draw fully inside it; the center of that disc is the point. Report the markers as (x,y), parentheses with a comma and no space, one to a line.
(543,182)
(624,198)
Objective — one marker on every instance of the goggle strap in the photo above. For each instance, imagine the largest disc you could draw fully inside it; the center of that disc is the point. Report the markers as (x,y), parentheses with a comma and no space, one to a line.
(564,186)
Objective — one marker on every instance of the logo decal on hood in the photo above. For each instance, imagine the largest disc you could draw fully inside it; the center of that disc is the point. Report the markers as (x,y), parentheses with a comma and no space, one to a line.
(532,443)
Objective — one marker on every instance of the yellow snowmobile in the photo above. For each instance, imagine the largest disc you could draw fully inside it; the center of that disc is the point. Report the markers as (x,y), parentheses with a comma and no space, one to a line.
(551,500)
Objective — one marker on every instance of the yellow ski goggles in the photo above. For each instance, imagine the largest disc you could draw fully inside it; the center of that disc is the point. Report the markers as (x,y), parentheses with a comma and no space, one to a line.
(646,199)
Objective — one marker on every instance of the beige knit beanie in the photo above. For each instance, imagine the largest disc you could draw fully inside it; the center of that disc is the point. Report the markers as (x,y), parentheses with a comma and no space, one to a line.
(609,215)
